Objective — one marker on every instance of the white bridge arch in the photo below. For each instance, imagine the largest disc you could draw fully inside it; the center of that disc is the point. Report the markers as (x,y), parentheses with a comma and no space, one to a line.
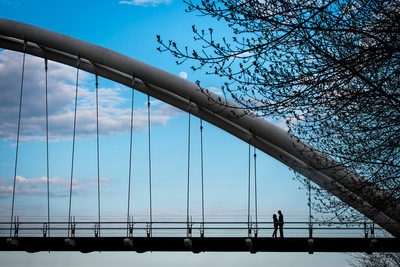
(267,137)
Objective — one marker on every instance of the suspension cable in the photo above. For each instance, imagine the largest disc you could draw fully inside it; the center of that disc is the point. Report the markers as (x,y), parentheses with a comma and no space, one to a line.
(73,145)
(188,172)
(18,132)
(98,151)
(130,154)
(148,125)
(309,208)
(202,173)
(255,187)
(47,150)
(248,191)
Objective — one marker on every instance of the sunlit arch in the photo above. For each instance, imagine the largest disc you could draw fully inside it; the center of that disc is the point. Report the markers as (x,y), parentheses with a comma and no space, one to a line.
(220,112)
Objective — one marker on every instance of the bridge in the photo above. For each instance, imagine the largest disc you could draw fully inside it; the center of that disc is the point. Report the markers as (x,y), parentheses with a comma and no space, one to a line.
(189,235)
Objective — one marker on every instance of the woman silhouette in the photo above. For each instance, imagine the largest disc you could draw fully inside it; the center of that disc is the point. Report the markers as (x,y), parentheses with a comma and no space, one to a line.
(275,225)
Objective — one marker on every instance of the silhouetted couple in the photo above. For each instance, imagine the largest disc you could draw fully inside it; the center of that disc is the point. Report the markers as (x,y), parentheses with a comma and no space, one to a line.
(278,222)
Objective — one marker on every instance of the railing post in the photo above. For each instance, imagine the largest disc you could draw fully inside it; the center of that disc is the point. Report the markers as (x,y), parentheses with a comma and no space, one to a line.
(148,229)
(16,226)
(96,230)
(249,226)
(202,230)
(189,227)
(365,229)
(130,233)
(372,230)
(45,227)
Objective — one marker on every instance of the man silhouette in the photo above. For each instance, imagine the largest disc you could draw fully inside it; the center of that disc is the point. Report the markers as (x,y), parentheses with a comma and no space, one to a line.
(280,220)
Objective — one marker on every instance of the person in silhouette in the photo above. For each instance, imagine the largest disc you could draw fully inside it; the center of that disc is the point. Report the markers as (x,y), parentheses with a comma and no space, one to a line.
(275,219)
(280,223)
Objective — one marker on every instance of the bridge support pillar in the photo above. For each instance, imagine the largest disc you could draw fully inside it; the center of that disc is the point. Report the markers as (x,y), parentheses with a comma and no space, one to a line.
(69,242)
(372,244)
(249,245)
(12,242)
(128,242)
(310,243)
(188,243)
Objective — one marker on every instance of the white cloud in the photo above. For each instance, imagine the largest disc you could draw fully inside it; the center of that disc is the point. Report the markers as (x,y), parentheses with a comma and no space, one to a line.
(215,90)
(37,186)
(245,54)
(145,2)
(40,180)
(114,113)
(154,102)
(183,75)
(241,55)
(6,191)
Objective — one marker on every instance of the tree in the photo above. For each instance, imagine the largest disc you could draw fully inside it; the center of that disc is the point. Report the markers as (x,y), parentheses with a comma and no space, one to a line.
(376,260)
(330,68)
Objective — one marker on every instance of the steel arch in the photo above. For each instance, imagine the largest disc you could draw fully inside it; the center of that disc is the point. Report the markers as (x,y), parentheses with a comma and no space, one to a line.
(264,135)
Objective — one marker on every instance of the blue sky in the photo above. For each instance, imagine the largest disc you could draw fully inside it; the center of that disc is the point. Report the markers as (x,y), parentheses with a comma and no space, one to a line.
(128,27)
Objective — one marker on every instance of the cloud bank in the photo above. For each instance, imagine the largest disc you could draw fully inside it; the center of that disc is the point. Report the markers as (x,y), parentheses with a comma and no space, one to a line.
(145,3)
(114,110)
(37,186)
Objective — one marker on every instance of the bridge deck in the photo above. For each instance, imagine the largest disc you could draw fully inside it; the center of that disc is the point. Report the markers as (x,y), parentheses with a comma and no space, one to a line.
(198,244)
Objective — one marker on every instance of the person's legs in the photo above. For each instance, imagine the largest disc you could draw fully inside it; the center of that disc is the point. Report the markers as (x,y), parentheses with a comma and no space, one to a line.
(280,230)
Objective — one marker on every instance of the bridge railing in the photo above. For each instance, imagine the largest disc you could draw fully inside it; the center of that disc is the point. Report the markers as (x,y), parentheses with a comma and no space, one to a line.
(182,228)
